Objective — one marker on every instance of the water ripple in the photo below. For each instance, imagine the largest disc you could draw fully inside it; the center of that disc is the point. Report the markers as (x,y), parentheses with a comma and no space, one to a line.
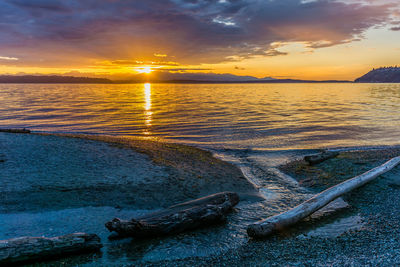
(229,115)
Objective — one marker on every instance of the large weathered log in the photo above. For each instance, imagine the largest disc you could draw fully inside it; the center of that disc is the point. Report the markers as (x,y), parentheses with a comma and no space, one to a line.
(15,130)
(272,224)
(175,219)
(321,157)
(40,248)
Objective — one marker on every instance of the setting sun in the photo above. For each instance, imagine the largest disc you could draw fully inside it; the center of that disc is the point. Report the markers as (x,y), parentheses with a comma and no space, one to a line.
(146,70)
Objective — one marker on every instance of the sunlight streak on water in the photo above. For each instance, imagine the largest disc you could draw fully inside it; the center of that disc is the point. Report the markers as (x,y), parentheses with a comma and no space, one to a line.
(148,113)
(147,92)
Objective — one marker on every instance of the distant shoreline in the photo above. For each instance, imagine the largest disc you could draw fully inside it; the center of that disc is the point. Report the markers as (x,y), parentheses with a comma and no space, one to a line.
(204,82)
(380,75)
(56,79)
(181,82)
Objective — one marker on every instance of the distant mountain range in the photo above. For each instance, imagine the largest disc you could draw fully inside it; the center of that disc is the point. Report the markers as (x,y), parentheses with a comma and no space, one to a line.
(168,77)
(381,75)
(203,77)
(159,77)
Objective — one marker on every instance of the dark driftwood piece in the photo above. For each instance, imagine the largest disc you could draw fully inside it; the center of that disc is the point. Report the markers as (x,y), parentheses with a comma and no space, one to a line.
(175,219)
(15,130)
(275,223)
(40,248)
(318,158)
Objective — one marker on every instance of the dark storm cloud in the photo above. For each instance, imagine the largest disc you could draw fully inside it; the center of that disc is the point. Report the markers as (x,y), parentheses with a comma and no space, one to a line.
(193,31)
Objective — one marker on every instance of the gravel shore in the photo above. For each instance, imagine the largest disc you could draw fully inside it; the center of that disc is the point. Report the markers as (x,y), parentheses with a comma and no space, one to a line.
(375,211)
(79,176)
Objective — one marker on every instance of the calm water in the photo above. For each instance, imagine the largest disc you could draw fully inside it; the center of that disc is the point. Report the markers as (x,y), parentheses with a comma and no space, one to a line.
(259,116)
(277,122)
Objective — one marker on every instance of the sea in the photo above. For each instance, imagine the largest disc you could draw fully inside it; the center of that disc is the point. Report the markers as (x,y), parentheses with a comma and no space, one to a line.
(213,116)
(257,127)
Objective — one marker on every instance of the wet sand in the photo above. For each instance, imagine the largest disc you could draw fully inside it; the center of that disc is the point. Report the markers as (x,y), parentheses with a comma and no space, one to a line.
(77,170)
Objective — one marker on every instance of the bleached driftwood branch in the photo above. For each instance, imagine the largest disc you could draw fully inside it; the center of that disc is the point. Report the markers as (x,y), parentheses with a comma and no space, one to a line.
(41,248)
(266,227)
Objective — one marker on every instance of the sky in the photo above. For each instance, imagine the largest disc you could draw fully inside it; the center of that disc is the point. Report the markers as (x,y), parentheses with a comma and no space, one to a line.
(300,39)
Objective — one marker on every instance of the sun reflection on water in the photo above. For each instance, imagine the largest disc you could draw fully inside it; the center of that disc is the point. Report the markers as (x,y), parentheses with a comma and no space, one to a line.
(147,107)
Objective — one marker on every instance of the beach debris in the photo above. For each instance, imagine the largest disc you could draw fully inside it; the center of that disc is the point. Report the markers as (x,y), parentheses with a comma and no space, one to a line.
(278,222)
(15,130)
(178,218)
(321,157)
(26,249)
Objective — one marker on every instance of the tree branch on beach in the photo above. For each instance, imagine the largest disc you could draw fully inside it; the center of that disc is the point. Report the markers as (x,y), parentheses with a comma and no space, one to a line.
(275,223)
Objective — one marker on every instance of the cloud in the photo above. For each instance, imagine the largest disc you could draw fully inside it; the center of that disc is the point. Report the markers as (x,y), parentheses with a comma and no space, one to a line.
(184,69)
(8,58)
(52,32)
(124,62)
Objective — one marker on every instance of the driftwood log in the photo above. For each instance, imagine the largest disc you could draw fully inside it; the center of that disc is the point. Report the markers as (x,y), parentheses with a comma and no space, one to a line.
(25,249)
(15,130)
(175,219)
(275,223)
(321,157)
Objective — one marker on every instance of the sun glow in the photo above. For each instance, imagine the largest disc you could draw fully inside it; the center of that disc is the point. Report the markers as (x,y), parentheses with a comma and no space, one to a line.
(146,70)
